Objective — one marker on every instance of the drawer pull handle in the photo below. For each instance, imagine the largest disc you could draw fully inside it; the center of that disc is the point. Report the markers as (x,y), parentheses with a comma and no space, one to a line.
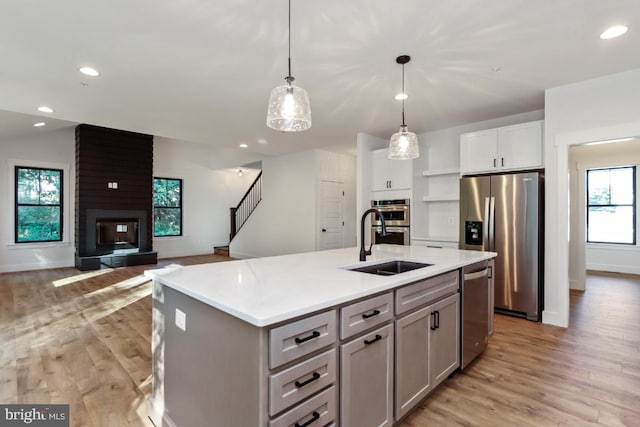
(315,416)
(314,377)
(377,338)
(373,313)
(433,321)
(315,334)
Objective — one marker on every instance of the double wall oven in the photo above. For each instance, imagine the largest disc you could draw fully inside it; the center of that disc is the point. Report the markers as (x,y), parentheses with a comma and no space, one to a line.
(397,220)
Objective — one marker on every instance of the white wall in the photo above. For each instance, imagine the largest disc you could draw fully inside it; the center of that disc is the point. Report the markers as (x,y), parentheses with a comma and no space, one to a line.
(286,220)
(616,258)
(207,195)
(593,110)
(44,149)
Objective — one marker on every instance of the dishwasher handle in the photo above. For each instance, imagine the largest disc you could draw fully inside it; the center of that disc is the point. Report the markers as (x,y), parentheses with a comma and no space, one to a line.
(476,274)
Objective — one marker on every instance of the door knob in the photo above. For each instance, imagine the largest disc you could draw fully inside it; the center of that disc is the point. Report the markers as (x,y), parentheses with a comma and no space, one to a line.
(324,230)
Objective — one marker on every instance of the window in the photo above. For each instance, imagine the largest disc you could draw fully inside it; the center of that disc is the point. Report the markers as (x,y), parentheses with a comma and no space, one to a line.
(38,200)
(611,205)
(167,207)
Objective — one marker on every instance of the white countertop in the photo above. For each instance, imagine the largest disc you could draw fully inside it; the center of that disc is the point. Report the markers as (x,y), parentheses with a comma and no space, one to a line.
(264,291)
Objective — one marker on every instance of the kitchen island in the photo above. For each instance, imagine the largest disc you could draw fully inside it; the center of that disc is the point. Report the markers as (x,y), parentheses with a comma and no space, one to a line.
(291,340)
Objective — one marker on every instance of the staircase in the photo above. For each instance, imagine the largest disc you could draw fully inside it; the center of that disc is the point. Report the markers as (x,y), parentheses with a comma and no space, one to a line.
(245,208)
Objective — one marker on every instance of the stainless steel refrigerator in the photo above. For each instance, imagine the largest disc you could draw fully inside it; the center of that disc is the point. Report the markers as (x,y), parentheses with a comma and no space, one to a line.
(505,214)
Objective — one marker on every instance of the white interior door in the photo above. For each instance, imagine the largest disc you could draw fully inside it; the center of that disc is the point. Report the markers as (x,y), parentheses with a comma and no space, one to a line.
(331,215)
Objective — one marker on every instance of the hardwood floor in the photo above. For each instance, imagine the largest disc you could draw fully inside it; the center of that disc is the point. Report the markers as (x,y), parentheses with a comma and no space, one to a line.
(83,339)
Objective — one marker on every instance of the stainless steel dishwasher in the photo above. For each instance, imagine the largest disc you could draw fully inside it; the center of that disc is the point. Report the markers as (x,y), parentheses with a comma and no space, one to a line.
(475,311)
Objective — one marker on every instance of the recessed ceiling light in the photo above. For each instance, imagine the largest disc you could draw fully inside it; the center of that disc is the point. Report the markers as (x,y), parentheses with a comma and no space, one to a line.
(88,71)
(39,124)
(613,32)
(401,96)
(263,141)
(243,146)
(45,109)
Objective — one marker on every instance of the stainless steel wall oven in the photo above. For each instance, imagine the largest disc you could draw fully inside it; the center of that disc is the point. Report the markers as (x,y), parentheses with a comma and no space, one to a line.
(396,215)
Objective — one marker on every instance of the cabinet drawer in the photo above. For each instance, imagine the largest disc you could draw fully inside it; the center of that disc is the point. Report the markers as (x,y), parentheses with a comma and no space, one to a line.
(361,316)
(293,340)
(426,291)
(301,381)
(318,411)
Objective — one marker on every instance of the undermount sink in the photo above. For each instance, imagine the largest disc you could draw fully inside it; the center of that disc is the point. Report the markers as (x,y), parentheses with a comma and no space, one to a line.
(390,268)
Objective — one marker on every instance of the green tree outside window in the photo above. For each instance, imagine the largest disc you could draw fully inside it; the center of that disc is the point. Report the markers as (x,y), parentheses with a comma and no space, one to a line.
(38,205)
(167,207)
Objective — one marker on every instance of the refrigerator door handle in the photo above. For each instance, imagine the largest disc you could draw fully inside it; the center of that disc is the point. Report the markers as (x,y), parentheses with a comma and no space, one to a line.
(492,220)
(485,226)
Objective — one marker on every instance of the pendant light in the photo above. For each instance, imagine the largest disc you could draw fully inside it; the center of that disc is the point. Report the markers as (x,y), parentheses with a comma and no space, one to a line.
(289,109)
(403,144)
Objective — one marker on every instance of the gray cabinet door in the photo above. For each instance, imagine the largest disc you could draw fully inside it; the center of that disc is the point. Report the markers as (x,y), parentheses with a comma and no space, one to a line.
(413,377)
(366,380)
(445,343)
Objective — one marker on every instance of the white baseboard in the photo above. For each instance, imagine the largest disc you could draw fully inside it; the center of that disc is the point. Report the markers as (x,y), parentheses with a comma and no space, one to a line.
(238,255)
(627,269)
(29,266)
(552,318)
(573,284)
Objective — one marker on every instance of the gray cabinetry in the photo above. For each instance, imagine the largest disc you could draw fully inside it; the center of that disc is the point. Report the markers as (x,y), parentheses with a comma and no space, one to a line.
(366,380)
(445,343)
(427,340)
(413,347)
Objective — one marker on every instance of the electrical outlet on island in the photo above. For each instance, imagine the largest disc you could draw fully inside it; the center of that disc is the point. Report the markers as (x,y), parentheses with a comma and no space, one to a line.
(181,319)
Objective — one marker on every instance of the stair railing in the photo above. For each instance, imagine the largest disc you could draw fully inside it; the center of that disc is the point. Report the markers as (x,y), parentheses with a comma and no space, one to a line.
(245,208)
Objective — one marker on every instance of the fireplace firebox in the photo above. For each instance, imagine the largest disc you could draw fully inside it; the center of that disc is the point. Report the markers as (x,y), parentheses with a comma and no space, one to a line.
(116,235)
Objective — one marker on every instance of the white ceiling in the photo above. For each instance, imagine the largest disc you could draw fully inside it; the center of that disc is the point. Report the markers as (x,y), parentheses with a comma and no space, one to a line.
(201,70)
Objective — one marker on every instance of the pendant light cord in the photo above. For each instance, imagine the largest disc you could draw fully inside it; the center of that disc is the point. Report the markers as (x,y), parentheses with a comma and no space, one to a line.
(289,78)
(402,92)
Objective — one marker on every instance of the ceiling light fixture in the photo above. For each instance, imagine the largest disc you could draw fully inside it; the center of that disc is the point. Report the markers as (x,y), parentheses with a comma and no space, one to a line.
(88,71)
(45,109)
(244,146)
(240,172)
(613,32)
(401,96)
(289,109)
(403,144)
(39,124)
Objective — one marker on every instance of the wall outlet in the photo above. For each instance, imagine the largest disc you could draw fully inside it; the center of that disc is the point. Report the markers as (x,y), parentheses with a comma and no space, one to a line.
(181,319)
(451,220)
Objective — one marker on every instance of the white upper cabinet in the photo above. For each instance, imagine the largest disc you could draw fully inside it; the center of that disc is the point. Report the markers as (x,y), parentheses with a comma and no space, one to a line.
(387,174)
(507,148)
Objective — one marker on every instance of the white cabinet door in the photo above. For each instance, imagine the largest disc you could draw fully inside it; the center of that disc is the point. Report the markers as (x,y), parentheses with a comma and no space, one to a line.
(379,170)
(445,343)
(413,378)
(520,146)
(479,151)
(389,174)
(366,380)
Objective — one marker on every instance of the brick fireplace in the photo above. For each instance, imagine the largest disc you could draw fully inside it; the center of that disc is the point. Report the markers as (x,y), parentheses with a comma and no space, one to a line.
(114,198)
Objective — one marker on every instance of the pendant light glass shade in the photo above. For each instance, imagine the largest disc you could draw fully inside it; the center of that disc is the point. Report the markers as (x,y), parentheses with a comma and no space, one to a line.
(403,145)
(289,108)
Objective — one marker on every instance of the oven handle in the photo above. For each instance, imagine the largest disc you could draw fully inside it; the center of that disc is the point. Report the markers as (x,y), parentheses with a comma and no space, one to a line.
(392,228)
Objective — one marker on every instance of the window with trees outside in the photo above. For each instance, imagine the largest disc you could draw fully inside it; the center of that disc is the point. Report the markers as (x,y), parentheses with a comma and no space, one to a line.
(38,210)
(611,205)
(167,207)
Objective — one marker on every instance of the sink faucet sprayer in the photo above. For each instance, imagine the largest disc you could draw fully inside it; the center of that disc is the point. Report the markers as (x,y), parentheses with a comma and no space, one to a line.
(363,253)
